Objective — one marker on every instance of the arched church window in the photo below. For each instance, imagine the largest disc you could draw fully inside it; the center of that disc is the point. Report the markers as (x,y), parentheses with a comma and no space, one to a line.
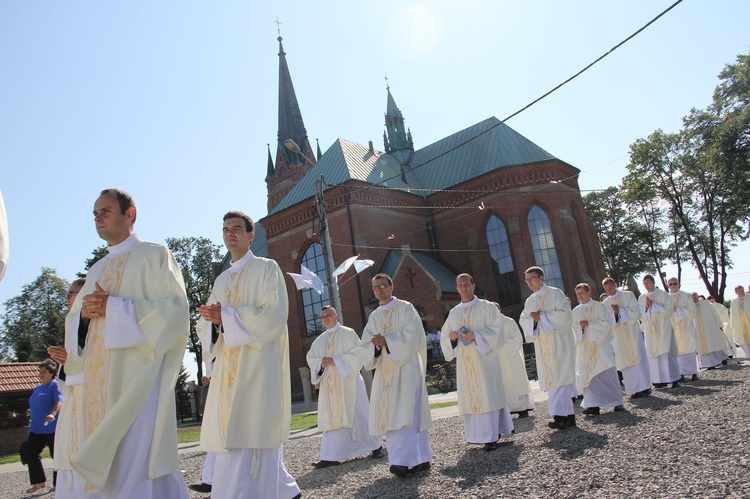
(543,242)
(505,275)
(311,300)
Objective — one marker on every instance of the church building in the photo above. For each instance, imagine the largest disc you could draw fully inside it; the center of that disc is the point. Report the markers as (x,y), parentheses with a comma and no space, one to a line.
(484,200)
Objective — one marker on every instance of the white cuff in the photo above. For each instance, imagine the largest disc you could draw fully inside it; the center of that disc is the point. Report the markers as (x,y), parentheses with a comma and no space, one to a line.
(121,325)
(482,346)
(544,322)
(342,367)
(235,332)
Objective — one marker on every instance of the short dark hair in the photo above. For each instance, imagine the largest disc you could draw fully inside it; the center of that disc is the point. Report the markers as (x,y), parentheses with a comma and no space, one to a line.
(608,280)
(459,276)
(78,282)
(584,286)
(649,277)
(328,307)
(249,227)
(124,199)
(50,366)
(537,271)
(385,276)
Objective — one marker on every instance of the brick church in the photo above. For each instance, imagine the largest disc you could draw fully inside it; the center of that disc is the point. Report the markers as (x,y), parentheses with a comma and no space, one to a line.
(484,200)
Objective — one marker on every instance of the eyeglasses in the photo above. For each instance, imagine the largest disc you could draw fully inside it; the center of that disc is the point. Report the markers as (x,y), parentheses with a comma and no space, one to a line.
(673,284)
(380,286)
(328,316)
(529,279)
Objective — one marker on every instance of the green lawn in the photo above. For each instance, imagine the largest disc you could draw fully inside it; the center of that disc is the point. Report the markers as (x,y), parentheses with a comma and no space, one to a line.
(188,434)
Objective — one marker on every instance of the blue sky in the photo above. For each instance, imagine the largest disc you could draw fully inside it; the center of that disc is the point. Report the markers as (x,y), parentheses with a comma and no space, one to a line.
(175,101)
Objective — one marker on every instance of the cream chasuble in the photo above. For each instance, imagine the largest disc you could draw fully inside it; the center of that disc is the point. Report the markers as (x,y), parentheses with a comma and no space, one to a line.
(739,317)
(338,384)
(553,337)
(119,373)
(684,322)
(594,351)
(478,373)
(249,403)
(627,330)
(708,325)
(657,322)
(400,373)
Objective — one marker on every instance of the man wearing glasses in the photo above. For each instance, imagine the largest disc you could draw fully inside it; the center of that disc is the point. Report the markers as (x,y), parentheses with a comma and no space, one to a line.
(335,358)
(546,319)
(395,346)
(683,321)
(657,308)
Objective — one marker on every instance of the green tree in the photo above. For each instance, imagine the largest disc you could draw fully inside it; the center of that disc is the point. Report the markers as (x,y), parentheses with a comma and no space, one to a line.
(35,319)
(195,256)
(700,177)
(624,240)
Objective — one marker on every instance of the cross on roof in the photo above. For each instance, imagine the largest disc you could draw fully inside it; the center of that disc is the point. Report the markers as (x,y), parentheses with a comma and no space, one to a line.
(278,26)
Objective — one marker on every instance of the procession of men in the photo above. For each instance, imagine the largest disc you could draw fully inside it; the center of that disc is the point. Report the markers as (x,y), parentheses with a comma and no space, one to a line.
(127,329)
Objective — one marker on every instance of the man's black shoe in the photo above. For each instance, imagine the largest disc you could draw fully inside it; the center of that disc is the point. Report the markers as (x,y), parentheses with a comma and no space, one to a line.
(377,453)
(325,464)
(570,421)
(420,467)
(660,385)
(619,408)
(298,496)
(676,384)
(682,378)
(724,362)
(591,411)
(400,471)
(523,414)
(695,377)
(200,487)
(559,423)
(490,446)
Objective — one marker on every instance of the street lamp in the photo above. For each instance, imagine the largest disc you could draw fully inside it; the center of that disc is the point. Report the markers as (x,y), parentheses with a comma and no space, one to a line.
(325,235)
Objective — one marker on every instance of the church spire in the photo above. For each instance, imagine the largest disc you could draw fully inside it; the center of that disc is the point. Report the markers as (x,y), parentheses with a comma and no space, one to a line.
(290,166)
(396,138)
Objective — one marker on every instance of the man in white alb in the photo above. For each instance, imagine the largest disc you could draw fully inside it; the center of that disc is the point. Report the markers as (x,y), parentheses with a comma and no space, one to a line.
(248,411)
(630,349)
(547,321)
(513,366)
(710,337)
(126,336)
(683,321)
(395,346)
(723,312)
(475,338)
(596,374)
(739,318)
(335,359)
(657,309)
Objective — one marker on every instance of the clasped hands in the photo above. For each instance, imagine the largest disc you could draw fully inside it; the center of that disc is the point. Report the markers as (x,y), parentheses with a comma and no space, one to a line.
(536,315)
(327,361)
(211,313)
(468,337)
(378,340)
(95,304)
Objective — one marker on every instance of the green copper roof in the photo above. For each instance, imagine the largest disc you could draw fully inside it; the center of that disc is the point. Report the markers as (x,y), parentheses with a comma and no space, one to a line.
(444,276)
(470,153)
(259,247)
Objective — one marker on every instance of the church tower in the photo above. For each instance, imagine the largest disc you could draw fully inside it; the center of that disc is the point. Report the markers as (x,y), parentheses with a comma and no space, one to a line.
(290,166)
(396,138)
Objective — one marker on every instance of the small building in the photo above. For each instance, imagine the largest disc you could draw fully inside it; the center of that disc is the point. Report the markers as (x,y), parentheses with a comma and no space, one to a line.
(17,381)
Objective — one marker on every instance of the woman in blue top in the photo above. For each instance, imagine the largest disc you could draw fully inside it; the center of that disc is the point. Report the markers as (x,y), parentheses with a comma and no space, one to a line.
(45,403)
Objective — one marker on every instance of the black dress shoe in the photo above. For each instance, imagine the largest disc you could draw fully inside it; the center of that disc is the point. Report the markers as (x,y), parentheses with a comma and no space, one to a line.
(200,487)
(682,378)
(559,423)
(377,453)
(420,467)
(298,496)
(695,377)
(619,408)
(490,446)
(660,385)
(570,421)
(591,411)
(325,464)
(400,471)
(523,414)
(676,384)
(724,362)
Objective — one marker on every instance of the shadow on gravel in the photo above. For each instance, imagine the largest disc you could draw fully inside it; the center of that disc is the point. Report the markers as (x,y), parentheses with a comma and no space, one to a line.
(717,382)
(623,419)
(324,477)
(391,487)
(524,425)
(476,464)
(656,402)
(573,442)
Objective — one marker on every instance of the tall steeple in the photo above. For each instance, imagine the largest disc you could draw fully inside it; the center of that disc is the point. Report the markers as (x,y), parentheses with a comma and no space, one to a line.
(290,166)
(397,139)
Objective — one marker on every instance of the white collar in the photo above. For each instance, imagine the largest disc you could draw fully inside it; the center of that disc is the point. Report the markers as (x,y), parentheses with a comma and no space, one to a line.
(471,303)
(542,290)
(586,305)
(124,246)
(240,264)
(334,328)
(617,293)
(388,305)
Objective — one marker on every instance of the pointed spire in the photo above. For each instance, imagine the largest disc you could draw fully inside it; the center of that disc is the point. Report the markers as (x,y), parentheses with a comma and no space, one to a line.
(396,137)
(291,125)
(317,142)
(270,170)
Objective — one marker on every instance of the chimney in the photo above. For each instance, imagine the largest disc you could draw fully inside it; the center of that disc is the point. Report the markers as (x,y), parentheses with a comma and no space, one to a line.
(371,148)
